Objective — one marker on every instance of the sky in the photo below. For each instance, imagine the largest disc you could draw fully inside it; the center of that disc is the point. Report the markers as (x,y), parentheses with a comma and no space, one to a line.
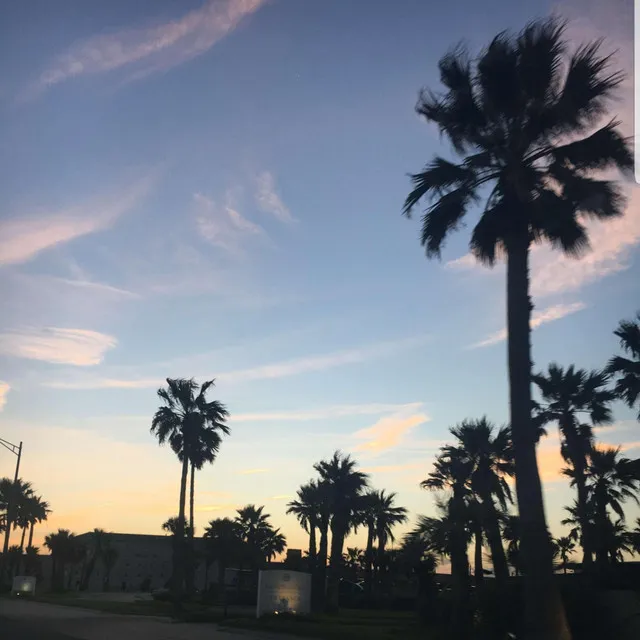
(214,189)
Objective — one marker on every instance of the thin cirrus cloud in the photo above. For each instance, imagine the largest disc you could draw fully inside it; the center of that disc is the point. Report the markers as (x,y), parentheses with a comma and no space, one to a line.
(24,237)
(223,226)
(556,312)
(4,390)
(296,366)
(78,347)
(147,50)
(325,413)
(269,200)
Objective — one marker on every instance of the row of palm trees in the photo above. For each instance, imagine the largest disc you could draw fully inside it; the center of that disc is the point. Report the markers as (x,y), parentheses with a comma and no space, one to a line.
(68,552)
(525,123)
(20,509)
(331,506)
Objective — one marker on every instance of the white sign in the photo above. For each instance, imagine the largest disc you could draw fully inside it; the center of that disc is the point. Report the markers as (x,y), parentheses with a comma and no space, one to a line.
(24,585)
(283,592)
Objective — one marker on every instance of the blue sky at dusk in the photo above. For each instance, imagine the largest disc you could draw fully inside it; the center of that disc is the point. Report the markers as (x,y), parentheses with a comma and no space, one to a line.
(213,189)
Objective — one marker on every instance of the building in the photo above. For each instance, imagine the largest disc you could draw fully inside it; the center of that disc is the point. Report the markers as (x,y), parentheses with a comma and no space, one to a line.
(143,563)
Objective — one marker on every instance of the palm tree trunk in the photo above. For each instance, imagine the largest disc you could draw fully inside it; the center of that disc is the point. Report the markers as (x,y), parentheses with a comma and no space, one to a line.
(544,612)
(190,565)
(583,518)
(478,569)
(24,531)
(460,613)
(368,559)
(381,580)
(320,577)
(313,551)
(498,556)
(31,534)
(178,551)
(191,500)
(335,565)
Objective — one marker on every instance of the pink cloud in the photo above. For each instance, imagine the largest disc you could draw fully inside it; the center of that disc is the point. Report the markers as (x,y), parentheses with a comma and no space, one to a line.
(150,49)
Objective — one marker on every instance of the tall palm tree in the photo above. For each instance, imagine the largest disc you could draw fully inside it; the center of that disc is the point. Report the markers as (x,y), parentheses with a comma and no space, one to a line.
(489,457)
(345,486)
(451,472)
(568,396)
(223,538)
(521,117)
(627,370)
(185,414)
(564,546)
(307,509)
(367,508)
(611,479)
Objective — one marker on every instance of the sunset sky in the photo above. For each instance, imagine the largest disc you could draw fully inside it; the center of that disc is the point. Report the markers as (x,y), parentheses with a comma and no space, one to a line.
(213,189)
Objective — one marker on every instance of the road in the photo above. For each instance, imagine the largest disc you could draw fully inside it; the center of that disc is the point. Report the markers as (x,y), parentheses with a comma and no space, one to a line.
(24,620)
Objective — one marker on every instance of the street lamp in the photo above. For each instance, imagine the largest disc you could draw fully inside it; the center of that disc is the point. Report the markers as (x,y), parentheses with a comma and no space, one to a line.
(17,451)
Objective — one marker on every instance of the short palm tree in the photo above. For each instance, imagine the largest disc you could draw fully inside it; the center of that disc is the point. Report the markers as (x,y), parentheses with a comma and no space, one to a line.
(451,473)
(511,535)
(94,554)
(223,539)
(611,479)
(185,415)
(387,515)
(39,512)
(568,397)
(344,485)
(489,456)
(564,546)
(306,507)
(627,369)
(253,524)
(521,117)
(13,495)
(62,545)
(270,542)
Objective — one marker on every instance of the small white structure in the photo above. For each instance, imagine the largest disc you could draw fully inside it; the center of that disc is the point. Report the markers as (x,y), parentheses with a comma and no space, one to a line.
(24,585)
(283,592)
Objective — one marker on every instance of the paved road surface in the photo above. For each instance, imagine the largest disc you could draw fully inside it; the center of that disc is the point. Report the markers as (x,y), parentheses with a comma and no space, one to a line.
(24,620)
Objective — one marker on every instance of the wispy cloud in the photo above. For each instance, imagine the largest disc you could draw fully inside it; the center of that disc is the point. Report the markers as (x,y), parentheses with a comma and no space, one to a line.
(63,346)
(25,236)
(295,366)
(4,390)
(150,49)
(388,432)
(268,198)
(325,413)
(556,312)
(223,226)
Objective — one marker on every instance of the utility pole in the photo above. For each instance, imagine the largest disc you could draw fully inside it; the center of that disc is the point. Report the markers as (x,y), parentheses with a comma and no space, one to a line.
(17,451)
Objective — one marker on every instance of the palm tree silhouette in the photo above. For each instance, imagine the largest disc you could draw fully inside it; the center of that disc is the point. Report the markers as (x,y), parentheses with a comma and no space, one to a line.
(39,511)
(564,545)
(567,396)
(386,515)
(611,479)
(13,498)
(224,544)
(344,485)
(511,535)
(94,554)
(451,472)
(521,121)
(63,547)
(307,509)
(182,420)
(489,460)
(627,370)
